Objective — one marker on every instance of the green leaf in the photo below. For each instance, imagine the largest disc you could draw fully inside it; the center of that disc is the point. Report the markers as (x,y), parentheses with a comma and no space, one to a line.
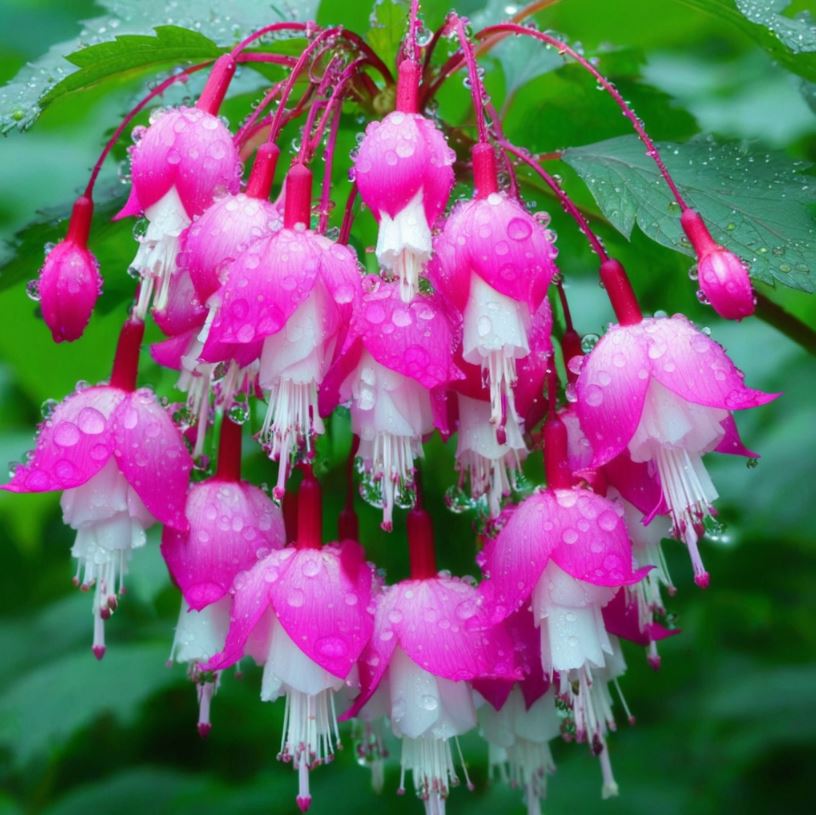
(44,707)
(758,205)
(791,40)
(131,55)
(389,22)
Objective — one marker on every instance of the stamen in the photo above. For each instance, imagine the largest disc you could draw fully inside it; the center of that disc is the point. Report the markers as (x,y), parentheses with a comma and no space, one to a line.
(206,691)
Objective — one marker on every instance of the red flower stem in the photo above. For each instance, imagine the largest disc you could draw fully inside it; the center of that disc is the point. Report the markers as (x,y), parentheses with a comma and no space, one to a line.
(297,205)
(126,360)
(485,176)
(79,227)
(326,80)
(566,202)
(563,48)
(348,215)
(495,121)
(571,340)
(620,292)
(408,87)
(229,451)
(421,547)
(240,135)
(413,27)
(348,524)
(325,192)
(309,511)
(263,171)
(476,89)
(271,29)
(555,439)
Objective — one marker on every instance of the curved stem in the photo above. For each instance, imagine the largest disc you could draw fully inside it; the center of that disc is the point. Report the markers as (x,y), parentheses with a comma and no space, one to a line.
(325,193)
(563,48)
(348,215)
(305,153)
(476,89)
(566,202)
(413,24)
(270,29)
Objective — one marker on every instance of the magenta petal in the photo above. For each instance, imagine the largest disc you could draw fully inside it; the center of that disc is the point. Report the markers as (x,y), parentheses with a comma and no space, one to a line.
(495,691)
(169,352)
(515,559)
(344,365)
(231,524)
(592,541)
(152,456)
(692,365)
(321,600)
(73,443)
(441,626)
(413,339)
(531,370)
(183,310)
(731,443)
(439,176)
(611,390)
(636,483)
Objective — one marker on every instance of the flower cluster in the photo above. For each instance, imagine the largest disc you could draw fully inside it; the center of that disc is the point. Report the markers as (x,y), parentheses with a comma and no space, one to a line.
(262,304)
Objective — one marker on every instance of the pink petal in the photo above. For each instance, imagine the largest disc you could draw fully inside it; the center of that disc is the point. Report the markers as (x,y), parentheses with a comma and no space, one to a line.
(73,443)
(611,390)
(726,285)
(169,352)
(413,339)
(448,271)
(532,369)
(220,235)
(592,543)
(622,618)
(439,177)
(183,310)
(344,365)
(636,483)
(264,287)
(231,525)
(694,366)
(441,626)
(321,600)
(152,456)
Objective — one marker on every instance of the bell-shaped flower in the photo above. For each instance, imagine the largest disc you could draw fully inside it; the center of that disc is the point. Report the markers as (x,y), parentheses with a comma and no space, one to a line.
(121,465)
(488,462)
(292,293)
(303,611)
(403,170)
(493,264)
(393,369)
(69,283)
(664,391)
(231,525)
(431,639)
(179,165)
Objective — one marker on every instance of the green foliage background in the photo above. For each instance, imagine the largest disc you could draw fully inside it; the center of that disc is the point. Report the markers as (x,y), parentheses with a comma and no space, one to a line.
(729,723)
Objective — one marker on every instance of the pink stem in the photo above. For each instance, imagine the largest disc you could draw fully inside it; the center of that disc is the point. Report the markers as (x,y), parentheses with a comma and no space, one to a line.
(566,202)
(348,215)
(271,29)
(325,193)
(563,48)
(263,171)
(269,96)
(620,292)
(413,26)
(476,89)
(79,227)
(297,204)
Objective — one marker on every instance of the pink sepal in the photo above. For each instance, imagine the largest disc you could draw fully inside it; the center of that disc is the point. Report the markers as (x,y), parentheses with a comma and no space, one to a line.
(132,207)
(731,443)
(168,353)
(621,618)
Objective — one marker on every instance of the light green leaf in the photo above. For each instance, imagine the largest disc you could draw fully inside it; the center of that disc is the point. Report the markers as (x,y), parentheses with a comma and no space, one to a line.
(389,22)
(758,205)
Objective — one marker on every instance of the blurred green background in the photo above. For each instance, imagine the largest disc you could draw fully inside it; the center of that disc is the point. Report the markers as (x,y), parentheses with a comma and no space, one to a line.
(727,725)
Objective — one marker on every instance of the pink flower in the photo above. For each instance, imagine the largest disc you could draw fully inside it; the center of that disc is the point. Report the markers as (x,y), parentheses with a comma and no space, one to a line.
(69,283)
(394,368)
(404,176)
(122,465)
(723,277)
(664,391)
(430,639)
(489,462)
(179,165)
(303,611)
(231,524)
(493,263)
(291,295)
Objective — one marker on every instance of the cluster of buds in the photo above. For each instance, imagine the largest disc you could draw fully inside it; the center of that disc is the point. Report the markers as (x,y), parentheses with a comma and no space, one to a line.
(456,336)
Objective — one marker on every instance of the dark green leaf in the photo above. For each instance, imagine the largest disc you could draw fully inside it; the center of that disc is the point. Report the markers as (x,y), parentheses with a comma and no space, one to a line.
(758,205)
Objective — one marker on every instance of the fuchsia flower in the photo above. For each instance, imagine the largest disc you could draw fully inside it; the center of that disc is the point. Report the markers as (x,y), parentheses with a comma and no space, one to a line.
(293,292)
(430,640)
(393,369)
(178,166)
(121,465)
(69,283)
(404,176)
(724,280)
(303,611)
(664,391)
(489,462)
(493,263)
(231,524)
(519,719)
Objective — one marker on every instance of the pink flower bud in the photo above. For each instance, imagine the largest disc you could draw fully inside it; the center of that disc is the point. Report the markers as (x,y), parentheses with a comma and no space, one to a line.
(69,282)
(725,284)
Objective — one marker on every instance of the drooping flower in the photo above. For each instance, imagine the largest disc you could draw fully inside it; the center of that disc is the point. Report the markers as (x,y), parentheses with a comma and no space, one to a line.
(303,611)
(69,283)
(231,524)
(293,292)
(394,368)
(430,640)
(179,165)
(664,391)
(489,462)
(723,277)
(121,465)
(404,175)
(493,263)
